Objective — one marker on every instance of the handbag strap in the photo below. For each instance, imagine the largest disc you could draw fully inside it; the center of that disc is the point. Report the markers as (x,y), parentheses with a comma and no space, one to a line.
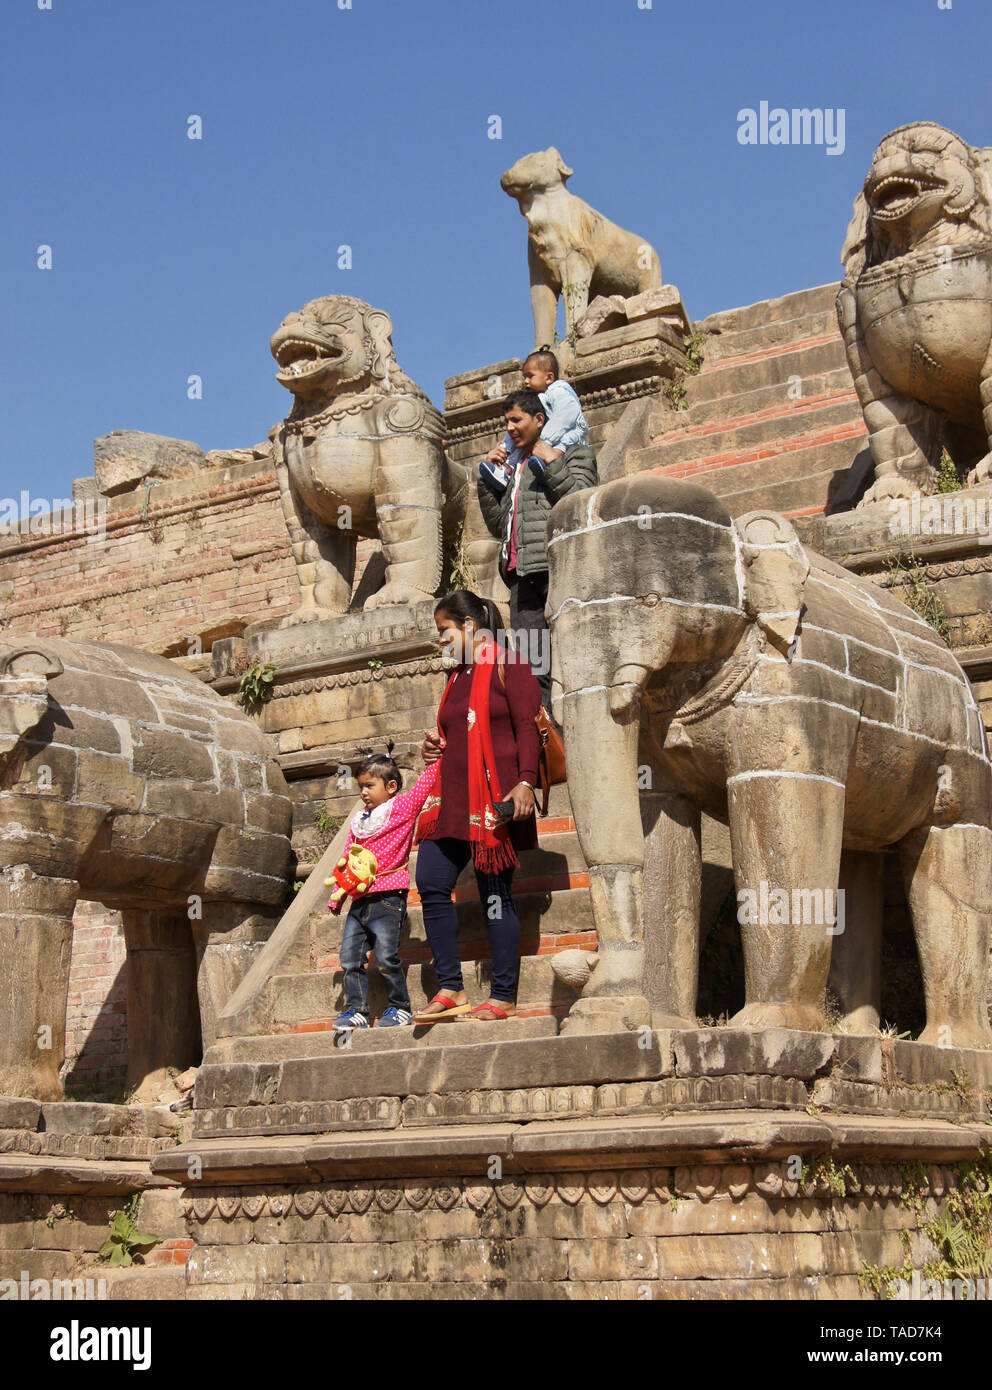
(542,734)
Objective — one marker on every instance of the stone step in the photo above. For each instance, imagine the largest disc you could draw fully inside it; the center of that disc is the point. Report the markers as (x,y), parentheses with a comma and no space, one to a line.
(340,1074)
(319,997)
(283,1047)
(768,311)
(735,379)
(549,919)
(758,340)
(760,438)
(557,852)
(539,989)
(794,482)
(728,409)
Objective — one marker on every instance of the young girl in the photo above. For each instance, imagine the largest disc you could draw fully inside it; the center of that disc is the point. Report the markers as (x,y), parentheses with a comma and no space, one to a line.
(564,426)
(385,826)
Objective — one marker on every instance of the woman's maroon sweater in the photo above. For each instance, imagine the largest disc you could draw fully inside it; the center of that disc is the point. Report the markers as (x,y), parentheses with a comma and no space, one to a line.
(516,746)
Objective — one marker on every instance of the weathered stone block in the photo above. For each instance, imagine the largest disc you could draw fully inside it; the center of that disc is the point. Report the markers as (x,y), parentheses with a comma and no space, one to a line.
(664,302)
(261,1264)
(629,1258)
(172,756)
(17,1113)
(604,312)
(123,458)
(772,1051)
(193,801)
(105,780)
(84,1117)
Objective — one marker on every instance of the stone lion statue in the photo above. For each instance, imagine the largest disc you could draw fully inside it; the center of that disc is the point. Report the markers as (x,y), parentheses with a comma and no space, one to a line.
(361,454)
(915,308)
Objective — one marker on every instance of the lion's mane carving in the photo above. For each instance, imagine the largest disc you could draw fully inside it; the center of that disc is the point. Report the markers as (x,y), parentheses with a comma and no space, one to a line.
(361,454)
(915,308)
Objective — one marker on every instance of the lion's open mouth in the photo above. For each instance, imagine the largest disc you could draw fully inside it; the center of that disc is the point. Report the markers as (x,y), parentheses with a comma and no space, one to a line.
(297,357)
(898,195)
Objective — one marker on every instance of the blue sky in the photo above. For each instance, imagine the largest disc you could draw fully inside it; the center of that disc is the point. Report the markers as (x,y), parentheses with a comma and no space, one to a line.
(368,127)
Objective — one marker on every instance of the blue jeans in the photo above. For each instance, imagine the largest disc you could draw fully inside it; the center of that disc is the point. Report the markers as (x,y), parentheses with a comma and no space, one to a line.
(374,923)
(439,862)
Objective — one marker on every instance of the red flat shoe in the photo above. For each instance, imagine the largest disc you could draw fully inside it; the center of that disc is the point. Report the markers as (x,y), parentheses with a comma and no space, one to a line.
(486,1013)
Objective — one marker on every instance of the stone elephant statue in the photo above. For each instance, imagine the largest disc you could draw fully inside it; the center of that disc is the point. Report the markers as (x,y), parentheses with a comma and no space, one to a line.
(701,664)
(125,780)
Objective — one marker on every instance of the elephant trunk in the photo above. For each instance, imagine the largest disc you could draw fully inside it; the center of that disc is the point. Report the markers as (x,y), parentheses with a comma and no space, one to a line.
(601,753)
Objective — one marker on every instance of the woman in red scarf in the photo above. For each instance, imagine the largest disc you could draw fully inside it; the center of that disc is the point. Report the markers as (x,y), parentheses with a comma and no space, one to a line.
(488,745)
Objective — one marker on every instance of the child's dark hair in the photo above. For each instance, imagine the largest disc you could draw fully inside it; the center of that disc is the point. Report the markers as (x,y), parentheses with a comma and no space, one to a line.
(462,604)
(382,766)
(545,358)
(528,401)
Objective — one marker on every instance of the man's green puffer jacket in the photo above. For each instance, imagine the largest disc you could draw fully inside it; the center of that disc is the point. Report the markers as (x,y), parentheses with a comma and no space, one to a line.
(572,471)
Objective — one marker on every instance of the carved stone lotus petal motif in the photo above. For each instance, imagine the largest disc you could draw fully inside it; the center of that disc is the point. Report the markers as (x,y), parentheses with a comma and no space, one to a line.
(478,1195)
(737,1179)
(661,1179)
(253,1204)
(445,1197)
(228,1207)
(334,1199)
(602,1187)
(635,1185)
(571,1187)
(279,1203)
(418,1197)
(509,1192)
(203,1207)
(768,1179)
(388,1198)
(540,1188)
(306,1202)
(360,1198)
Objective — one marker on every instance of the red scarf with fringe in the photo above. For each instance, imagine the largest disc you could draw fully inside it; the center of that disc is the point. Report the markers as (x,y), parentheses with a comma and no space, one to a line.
(492,848)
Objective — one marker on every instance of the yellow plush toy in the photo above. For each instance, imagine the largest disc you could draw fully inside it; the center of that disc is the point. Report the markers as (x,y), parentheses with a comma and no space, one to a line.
(354,875)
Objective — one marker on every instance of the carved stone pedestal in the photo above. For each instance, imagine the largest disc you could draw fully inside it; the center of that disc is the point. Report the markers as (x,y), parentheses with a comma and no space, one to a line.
(342,684)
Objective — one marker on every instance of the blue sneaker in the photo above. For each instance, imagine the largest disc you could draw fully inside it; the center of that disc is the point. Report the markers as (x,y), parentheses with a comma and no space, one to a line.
(394,1018)
(496,475)
(537,466)
(350,1018)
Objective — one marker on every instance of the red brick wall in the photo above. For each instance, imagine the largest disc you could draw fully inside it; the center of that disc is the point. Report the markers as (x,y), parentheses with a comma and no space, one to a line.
(211,555)
(96,1018)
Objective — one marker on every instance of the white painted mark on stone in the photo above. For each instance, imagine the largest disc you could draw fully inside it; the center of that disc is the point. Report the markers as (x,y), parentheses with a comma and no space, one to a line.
(769,773)
(638,521)
(639,598)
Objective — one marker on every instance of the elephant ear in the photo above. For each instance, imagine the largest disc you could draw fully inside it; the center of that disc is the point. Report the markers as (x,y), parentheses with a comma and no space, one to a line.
(775,574)
(25,671)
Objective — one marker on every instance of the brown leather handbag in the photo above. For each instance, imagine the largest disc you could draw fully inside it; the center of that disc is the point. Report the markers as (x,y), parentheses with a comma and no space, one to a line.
(551,764)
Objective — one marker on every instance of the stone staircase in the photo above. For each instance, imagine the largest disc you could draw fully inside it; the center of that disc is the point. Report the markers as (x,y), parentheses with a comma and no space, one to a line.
(551,893)
(772,420)
(298,988)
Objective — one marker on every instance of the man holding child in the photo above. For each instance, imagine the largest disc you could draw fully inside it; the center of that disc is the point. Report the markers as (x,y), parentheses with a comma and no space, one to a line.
(548,457)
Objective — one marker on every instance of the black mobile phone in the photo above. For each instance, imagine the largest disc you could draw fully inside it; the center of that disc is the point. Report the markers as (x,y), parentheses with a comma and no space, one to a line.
(504,811)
